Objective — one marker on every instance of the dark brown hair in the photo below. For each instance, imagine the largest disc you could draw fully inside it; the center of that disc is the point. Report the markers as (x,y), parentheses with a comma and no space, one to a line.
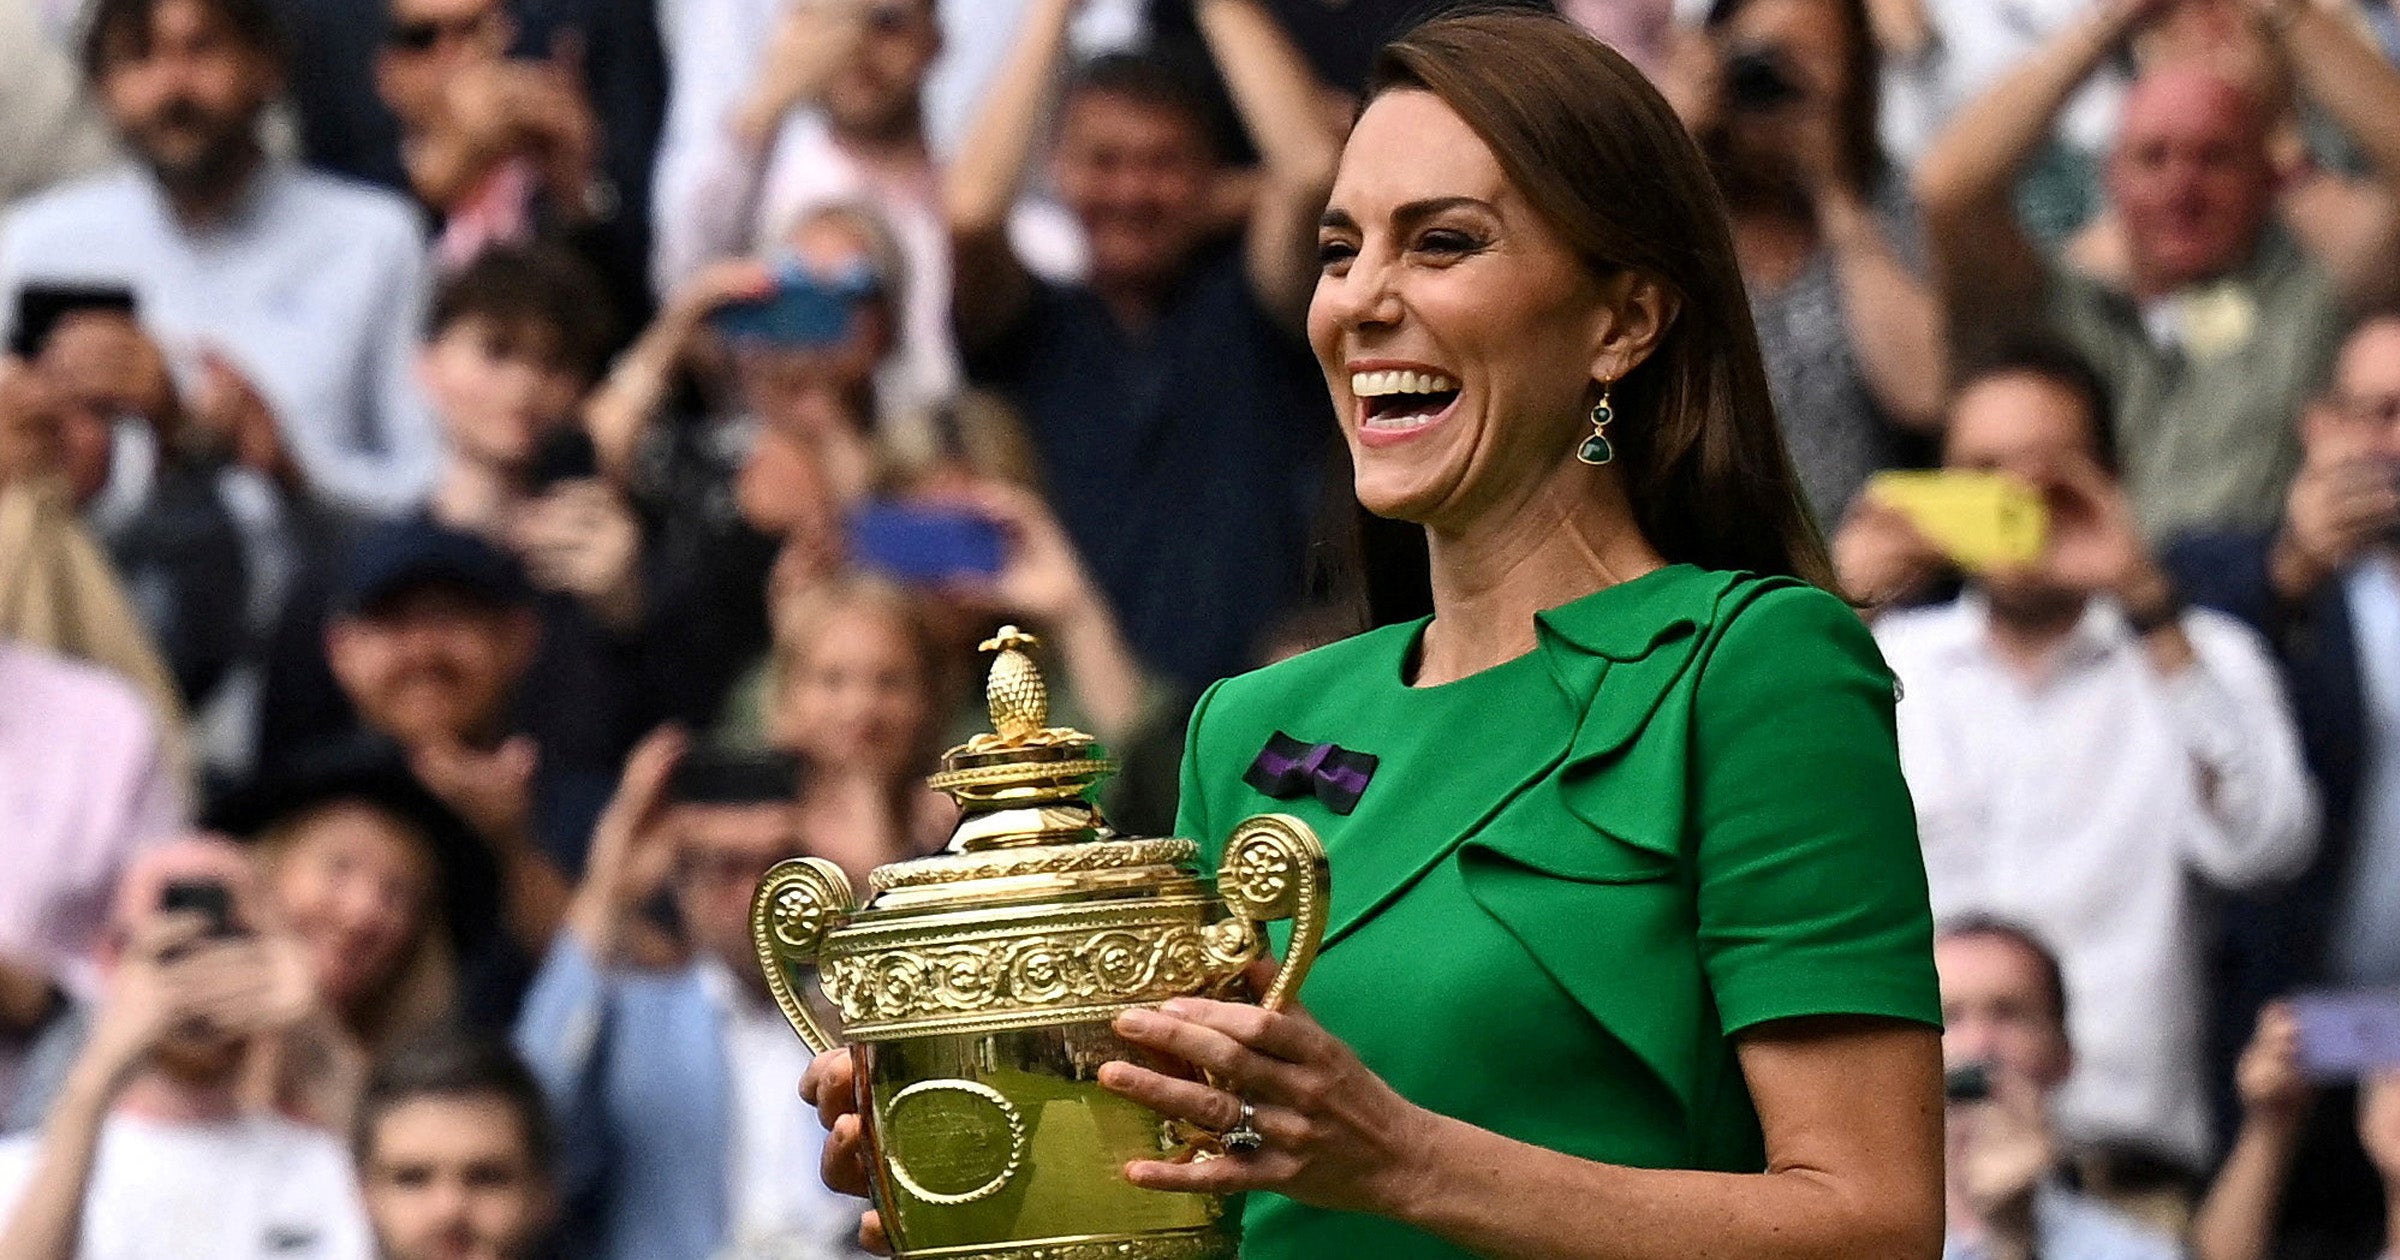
(120,29)
(1602,157)
(537,291)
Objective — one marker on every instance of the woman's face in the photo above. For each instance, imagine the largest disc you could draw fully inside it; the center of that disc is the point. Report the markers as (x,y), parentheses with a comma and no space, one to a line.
(1458,332)
(354,886)
(858,697)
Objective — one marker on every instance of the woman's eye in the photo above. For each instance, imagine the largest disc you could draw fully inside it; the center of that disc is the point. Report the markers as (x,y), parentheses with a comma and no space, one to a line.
(1335,253)
(1447,241)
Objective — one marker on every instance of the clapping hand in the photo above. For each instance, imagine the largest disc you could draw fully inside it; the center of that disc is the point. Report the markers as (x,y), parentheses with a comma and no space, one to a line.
(583,539)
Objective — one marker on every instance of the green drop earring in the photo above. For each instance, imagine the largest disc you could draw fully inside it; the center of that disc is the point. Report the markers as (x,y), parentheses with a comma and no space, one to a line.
(1596,449)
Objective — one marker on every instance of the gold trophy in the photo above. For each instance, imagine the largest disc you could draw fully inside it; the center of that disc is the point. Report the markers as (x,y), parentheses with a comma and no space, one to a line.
(976,988)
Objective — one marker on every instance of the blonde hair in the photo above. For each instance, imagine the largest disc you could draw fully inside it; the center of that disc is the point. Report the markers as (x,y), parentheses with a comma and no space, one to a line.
(802,618)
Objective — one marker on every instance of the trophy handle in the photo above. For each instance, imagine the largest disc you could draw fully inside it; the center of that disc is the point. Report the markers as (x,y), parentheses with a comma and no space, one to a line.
(799,902)
(1274,868)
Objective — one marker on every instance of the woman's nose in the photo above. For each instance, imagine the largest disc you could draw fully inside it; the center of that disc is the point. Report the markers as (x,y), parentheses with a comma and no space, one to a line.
(1362,297)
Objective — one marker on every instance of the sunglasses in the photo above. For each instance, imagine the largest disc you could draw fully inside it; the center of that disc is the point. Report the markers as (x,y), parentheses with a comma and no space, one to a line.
(423,35)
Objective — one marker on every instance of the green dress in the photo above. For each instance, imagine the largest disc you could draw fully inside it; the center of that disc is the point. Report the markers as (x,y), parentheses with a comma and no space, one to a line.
(1573,878)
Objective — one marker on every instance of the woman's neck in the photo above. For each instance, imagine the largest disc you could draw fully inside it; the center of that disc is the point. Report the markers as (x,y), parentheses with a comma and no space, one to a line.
(1572,536)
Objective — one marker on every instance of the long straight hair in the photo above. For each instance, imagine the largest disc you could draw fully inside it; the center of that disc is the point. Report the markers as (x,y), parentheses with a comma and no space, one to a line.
(1600,155)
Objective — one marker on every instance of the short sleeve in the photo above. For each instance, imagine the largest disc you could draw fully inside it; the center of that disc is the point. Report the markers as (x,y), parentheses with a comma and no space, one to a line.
(1809,883)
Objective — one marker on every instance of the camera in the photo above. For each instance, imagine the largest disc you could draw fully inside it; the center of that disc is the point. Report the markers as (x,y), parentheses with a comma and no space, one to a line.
(1758,78)
(1968,1083)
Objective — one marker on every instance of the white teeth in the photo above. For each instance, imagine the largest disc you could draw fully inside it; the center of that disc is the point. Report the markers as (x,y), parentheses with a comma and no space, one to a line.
(1380,384)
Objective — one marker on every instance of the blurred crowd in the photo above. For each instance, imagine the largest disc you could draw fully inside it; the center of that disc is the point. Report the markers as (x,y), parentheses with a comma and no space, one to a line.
(481,480)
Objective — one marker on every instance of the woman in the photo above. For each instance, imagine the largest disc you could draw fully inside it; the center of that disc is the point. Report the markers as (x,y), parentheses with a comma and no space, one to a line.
(381,888)
(856,689)
(1629,953)
(1783,95)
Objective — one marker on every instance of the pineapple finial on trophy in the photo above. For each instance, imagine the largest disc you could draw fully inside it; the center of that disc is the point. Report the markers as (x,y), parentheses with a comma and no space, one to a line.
(1018,698)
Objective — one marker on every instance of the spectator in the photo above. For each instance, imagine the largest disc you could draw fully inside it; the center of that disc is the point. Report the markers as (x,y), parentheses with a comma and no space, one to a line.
(832,114)
(57,589)
(857,686)
(2088,757)
(2223,324)
(148,1151)
(513,342)
(454,1153)
(87,788)
(431,637)
(786,443)
(499,150)
(172,536)
(1179,419)
(672,1082)
(391,896)
(289,293)
(49,129)
(2004,1028)
(2323,588)
(1826,234)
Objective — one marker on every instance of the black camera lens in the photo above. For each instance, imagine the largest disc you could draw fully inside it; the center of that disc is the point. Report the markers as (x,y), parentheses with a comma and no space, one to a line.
(1967,1083)
(1757,78)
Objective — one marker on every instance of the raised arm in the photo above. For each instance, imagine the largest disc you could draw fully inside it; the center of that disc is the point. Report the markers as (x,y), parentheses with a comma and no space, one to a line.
(2344,75)
(1966,181)
(1276,94)
(988,285)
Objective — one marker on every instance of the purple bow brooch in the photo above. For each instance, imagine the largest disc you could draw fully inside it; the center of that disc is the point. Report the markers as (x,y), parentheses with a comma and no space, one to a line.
(1287,768)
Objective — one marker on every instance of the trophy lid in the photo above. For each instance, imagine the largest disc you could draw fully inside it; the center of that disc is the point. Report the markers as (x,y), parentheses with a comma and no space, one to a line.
(1024,782)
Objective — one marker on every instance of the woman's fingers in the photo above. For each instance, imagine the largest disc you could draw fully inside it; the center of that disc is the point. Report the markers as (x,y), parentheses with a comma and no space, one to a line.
(830,1086)
(1230,1175)
(844,1166)
(1204,1105)
(1289,1034)
(1211,1049)
(871,1237)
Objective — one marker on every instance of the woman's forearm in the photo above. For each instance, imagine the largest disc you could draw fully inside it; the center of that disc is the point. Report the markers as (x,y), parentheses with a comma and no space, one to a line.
(2237,1219)
(1894,324)
(998,150)
(48,1222)
(1501,1199)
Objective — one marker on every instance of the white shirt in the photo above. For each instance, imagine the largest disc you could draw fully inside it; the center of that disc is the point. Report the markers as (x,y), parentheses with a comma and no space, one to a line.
(1976,43)
(2089,806)
(313,287)
(778,1204)
(257,1187)
(2366,939)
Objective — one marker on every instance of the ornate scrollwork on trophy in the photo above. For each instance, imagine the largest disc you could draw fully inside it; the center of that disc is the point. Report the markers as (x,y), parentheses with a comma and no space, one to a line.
(1274,868)
(953,868)
(798,905)
(990,982)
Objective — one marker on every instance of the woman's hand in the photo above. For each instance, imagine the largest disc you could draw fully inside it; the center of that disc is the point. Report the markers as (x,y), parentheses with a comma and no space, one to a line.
(831,1086)
(1336,1135)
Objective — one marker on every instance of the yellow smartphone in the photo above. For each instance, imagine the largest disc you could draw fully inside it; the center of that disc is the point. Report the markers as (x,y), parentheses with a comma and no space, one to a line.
(1980,520)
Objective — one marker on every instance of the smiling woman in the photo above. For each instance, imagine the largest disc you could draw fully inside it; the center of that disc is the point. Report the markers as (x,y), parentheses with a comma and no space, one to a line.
(1628,953)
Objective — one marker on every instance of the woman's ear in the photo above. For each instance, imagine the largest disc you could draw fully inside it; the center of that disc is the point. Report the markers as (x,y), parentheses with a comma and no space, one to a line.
(1636,311)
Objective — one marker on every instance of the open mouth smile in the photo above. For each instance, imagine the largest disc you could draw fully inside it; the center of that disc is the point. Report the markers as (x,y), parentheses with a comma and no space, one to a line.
(1400,403)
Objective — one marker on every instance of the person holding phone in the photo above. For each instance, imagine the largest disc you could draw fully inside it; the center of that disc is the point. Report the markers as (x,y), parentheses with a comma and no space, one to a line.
(2322,585)
(2004,1039)
(149,1149)
(2088,756)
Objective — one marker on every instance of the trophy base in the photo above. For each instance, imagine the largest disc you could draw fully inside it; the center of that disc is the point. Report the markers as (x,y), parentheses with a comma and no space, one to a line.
(1194,1244)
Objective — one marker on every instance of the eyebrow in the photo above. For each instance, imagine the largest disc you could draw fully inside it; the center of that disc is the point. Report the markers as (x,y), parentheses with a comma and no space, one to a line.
(1410,212)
